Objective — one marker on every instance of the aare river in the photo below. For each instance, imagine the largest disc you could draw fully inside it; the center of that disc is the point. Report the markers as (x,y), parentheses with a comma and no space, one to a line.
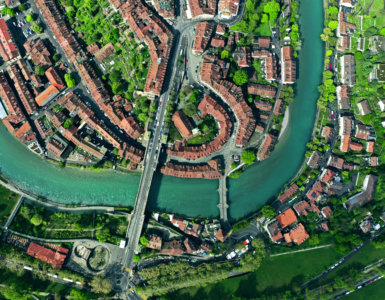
(190,197)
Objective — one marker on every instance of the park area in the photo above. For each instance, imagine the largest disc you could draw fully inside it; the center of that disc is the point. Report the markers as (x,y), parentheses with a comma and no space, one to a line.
(276,275)
(39,221)
(8,200)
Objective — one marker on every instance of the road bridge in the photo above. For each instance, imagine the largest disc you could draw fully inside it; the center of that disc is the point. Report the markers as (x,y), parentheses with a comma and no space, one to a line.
(223,206)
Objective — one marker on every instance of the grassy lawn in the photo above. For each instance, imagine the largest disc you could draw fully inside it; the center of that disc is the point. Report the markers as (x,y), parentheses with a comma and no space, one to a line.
(8,200)
(374,291)
(367,255)
(276,274)
(263,30)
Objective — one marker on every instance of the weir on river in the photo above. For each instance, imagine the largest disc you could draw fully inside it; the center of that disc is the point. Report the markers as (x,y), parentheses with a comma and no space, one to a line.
(191,197)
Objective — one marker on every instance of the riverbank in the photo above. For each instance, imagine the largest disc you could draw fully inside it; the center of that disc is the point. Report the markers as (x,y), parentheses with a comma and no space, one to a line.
(259,184)
(285,122)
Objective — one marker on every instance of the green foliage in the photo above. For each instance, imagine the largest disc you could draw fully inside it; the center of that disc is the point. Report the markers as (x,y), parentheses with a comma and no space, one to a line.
(175,275)
(8,11)
(332,10)
(143,240)
(136,258)
(382,31)
(225,54)
(70,80)
(333,25)
(268,211)
(240,77)
(30,18)
(272,8)
(36,220)
(40,70)
(68,123)
(22,7)
(265,18)
(108,164)
(189,109)
(248,157)
(101,285)
(37,28)
(233,165)
(103,235)
(236,174)
(56,57)
(314,240)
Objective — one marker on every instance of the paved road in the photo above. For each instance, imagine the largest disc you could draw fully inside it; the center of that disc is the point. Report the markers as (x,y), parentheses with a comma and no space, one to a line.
(151,157)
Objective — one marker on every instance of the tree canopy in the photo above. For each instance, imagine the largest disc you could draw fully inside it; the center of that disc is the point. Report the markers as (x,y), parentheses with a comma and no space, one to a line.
(240,77)
(70,80)
(272,8)
(39,70)
(68,123)
(333,25)
(248,157)
(30,18)
(268,211)
(8,11)
(101,285)
(36,219)
(37,28)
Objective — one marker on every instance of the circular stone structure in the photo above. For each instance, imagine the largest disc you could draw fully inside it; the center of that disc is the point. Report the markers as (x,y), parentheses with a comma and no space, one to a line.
(99,258)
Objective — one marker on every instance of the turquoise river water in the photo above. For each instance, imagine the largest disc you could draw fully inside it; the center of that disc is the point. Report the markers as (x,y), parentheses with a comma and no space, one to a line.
(190,197)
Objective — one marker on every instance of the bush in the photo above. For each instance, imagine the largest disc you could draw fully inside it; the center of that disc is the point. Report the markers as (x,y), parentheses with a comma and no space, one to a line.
(70,80)
(8,11)
(240,77)
(248,157)
(37,28)
(268,211)
(22,7)
(39,70)
(30,18)
(236,174)
(68,123)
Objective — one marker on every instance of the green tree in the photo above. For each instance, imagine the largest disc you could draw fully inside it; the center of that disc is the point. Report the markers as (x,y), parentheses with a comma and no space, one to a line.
(8,11)
(78,295)
(248,157)
(314,240)
(70,80)
(36,220)
(115,76)
(30,18)
(136,258)
(68,123)
(56,57)
(103,235)
(333,10)
(240,77)
(272,8)
(37,28)
(333,25)
(40,70)
(144,240)
(265,18)
(382,31)
(190,109)
(236,174)
(225,54)
(268,211)
(22,7)
(101,285)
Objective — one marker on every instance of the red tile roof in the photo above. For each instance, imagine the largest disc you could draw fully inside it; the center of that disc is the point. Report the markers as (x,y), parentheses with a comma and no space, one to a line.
(55,259)
(286,218)
(8,48)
